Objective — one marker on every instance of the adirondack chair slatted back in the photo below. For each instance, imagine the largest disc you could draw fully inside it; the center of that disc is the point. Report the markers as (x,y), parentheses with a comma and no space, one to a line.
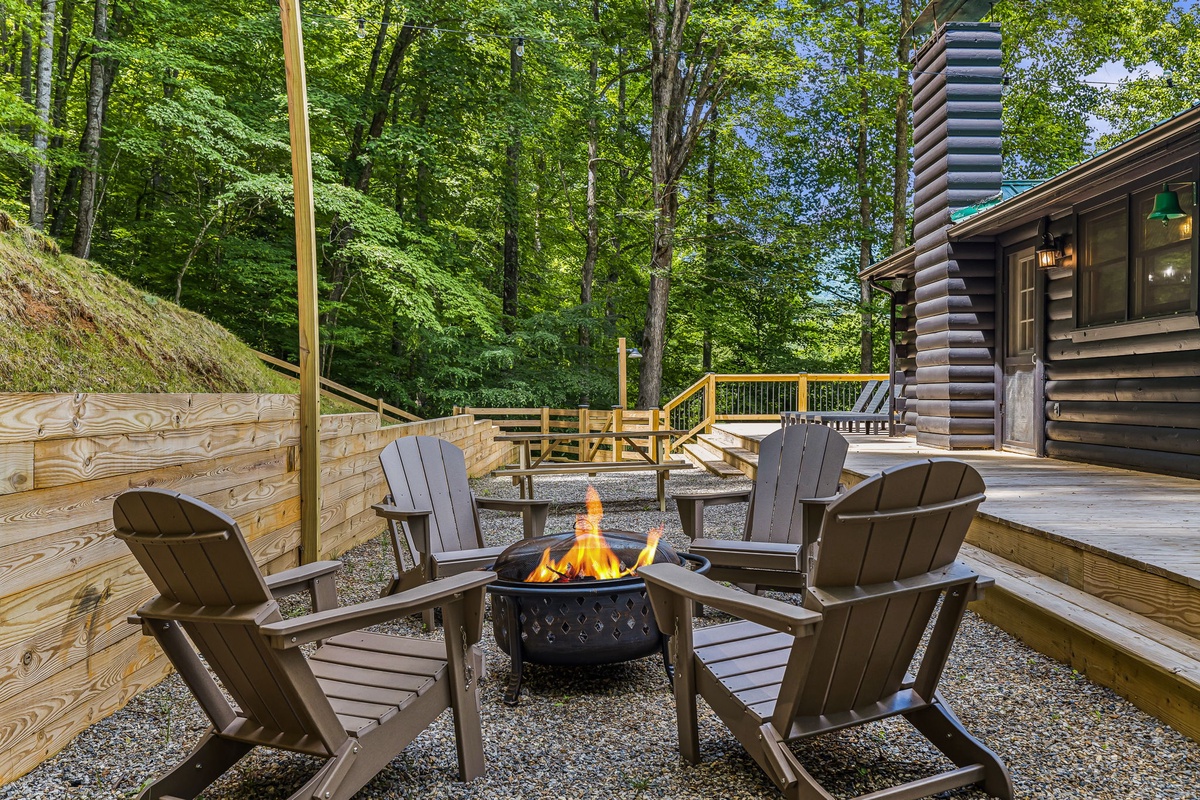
(428,472)
(878,402)
(864,397)
(197,558)
(798,461)
(901,523)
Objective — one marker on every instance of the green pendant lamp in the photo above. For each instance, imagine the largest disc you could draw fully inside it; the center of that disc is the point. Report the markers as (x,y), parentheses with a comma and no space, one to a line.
(1166,206)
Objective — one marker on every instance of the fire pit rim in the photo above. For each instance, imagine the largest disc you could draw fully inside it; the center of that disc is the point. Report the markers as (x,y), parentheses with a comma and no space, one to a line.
(587,587)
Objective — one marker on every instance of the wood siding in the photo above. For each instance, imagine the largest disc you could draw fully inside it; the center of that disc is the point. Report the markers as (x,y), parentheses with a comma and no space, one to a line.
(67,656)
(1129,401)
(956,123)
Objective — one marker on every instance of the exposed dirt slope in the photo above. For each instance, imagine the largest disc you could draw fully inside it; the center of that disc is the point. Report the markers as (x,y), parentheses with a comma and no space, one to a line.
(66,325)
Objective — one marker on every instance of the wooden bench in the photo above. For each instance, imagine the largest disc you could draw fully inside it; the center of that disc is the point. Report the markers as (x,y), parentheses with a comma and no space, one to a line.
(526,474)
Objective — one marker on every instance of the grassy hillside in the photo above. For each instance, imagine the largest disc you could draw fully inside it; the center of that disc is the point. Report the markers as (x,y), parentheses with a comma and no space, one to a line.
(66,325)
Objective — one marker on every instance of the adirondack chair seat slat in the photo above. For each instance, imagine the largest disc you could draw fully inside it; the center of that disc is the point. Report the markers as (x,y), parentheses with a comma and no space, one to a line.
(750,555)
(455,562)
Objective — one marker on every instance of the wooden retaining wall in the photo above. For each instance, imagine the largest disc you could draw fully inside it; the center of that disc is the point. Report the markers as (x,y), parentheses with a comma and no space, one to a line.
(67,656)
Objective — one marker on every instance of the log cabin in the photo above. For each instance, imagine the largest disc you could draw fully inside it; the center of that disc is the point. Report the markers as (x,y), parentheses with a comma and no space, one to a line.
(1057,317)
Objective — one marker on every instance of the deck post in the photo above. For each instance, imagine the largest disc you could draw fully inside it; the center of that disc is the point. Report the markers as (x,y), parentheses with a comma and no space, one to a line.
(802,393)
(306,279)
(618,426)
(709,402)
(584,454)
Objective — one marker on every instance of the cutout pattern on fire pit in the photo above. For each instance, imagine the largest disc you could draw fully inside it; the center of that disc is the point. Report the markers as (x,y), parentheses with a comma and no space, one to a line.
(575,622)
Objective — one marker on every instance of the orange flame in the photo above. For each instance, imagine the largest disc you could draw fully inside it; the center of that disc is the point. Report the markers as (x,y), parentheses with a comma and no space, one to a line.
(590,556)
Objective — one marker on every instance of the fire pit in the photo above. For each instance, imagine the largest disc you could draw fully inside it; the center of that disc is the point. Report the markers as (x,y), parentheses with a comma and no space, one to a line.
(575,598)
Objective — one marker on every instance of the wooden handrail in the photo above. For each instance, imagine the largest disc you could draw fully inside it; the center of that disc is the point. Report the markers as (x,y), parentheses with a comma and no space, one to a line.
(685,394)
(345,393)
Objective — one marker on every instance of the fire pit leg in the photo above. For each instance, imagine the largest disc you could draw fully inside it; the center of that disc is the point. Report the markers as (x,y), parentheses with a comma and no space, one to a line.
(512,692)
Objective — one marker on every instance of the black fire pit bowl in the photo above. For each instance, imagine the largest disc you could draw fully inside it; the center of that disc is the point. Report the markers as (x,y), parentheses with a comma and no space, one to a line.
(581,622)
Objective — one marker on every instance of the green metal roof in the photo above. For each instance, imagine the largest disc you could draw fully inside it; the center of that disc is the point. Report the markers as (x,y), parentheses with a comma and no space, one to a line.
(1008,190)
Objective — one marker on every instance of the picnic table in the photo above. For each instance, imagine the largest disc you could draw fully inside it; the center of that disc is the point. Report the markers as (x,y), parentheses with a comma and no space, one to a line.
(652,459)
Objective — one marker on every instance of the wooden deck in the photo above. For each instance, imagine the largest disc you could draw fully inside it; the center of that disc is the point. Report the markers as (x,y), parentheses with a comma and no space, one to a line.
(1098,567)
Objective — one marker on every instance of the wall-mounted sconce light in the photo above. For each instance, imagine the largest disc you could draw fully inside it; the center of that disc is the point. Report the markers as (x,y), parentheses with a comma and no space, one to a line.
(1050,251)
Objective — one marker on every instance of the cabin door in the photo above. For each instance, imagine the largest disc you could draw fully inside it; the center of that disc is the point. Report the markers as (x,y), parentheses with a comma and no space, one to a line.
(1020,414)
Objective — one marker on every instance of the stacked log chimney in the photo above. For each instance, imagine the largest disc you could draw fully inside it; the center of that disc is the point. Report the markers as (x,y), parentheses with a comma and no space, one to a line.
(956,131)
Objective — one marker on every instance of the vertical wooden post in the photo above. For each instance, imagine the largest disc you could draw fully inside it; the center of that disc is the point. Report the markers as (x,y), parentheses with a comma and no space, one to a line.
(710,402)
(584,445)
(545,429)
(618,426)
(306,282)
(802,393)
(622,383)
(379,409)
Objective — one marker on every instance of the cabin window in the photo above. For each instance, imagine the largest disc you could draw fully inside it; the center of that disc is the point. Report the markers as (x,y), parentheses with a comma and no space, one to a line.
(1162,257)
(1103,272)
(1131,267)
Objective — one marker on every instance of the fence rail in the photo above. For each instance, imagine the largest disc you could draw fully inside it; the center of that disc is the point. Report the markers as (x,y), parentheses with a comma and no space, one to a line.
(386,411)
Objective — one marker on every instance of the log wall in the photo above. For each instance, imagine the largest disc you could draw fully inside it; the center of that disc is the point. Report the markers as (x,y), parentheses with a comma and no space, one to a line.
(956,152)
(1127,401)
(67,656)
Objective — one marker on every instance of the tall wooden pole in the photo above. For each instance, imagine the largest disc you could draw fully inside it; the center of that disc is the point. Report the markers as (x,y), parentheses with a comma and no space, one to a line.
(306,280)
(622,384)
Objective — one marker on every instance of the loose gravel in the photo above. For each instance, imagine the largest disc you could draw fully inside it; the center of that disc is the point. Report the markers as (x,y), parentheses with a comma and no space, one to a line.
(609,732)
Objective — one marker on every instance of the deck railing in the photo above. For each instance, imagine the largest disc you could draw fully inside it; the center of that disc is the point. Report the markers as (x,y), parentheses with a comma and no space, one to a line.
(747,398)
(572,420)
(711,399)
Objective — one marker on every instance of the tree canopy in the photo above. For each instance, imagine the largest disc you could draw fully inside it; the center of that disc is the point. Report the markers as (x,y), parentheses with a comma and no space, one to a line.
(503,188)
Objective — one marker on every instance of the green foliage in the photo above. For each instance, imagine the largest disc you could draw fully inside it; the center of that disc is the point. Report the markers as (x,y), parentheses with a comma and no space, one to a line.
(196,176)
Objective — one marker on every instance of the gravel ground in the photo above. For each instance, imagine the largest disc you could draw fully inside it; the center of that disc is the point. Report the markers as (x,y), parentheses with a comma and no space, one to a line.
(610,731)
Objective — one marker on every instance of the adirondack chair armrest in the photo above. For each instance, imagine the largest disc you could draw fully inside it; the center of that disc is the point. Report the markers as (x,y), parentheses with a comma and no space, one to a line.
(534,513)
(773,614)
(691,507)
(397,514)
(324,624)
(289,582)
(980,587)
(417,519)
(956,574)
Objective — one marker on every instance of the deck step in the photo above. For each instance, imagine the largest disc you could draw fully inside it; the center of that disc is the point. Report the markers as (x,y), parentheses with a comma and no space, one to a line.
(711,459)
(733,452)
(1154,666)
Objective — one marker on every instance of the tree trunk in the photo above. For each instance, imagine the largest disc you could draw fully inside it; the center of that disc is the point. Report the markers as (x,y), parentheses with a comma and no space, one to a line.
(710,218)
(351,169)
(510,192)
(26,61)
(90,146)
(45,62)
(864,197)
(684,92)
(592,234)
(900,177)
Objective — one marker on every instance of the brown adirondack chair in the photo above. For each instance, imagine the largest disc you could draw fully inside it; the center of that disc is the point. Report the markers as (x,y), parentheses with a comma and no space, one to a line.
(358,700)
(431,501)
(798,472)
(781,673)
